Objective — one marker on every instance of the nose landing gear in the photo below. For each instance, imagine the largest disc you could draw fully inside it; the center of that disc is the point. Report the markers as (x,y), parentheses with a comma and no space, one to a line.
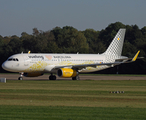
(21,76)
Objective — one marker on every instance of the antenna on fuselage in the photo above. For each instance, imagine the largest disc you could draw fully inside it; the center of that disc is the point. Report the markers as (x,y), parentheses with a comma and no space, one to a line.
(22,52)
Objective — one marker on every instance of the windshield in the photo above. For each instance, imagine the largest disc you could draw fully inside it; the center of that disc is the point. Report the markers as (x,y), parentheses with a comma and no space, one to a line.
(13,59)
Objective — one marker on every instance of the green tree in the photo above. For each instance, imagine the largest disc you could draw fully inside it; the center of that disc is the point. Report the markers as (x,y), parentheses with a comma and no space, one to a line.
(28,43)
(133,33)
(129,49)
(70,40)
(95,45)
(109,33)
(35,32)
(15,46)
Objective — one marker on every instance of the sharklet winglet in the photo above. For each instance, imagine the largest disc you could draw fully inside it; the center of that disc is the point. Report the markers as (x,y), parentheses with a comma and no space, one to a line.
(135,57)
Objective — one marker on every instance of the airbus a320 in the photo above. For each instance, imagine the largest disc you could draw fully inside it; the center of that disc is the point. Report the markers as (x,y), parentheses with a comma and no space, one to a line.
(68,65)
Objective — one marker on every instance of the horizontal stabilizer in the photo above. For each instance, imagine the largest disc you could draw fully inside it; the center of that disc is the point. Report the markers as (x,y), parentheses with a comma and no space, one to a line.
(128,60)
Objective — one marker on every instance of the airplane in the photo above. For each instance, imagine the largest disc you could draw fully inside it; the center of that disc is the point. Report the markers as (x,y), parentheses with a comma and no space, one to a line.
(68,65)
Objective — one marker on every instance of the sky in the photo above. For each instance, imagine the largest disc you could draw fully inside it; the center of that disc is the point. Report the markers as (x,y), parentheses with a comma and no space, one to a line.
(17,16)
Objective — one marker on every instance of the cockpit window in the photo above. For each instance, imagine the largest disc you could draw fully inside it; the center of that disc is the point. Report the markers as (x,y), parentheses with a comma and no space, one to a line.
(10,59)
(13,59)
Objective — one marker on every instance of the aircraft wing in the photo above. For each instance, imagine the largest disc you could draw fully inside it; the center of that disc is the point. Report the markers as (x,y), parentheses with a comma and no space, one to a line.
(80,66)
(117,62)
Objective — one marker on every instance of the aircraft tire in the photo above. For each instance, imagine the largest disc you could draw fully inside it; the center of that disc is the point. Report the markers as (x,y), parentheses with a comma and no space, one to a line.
(73,78)
(52,77)
(20,78)
(76,78)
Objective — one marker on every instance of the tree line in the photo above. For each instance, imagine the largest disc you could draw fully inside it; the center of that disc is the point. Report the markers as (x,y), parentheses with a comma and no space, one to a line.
(70,40)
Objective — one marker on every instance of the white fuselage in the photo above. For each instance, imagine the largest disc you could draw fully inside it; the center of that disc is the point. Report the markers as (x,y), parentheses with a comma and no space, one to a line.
(44,62)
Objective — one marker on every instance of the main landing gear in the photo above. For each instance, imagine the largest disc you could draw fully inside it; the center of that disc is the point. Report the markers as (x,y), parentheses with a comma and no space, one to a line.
(52,77)
(76,78)
(21,76)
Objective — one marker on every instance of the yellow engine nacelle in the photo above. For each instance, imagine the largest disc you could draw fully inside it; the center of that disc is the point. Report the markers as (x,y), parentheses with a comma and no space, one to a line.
(32,74)
(66,72)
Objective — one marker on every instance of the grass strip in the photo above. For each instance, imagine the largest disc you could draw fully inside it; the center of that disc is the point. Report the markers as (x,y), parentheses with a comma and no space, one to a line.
(70,113)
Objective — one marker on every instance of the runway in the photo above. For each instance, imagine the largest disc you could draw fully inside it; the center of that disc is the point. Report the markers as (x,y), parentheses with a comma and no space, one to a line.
(82,77)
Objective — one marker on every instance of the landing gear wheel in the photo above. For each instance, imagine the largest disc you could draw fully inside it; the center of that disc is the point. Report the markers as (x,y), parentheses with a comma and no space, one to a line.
(76,78)
(52,77)
(20,78)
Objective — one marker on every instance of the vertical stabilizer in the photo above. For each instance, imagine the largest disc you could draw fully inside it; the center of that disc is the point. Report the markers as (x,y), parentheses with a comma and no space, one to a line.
(115,48)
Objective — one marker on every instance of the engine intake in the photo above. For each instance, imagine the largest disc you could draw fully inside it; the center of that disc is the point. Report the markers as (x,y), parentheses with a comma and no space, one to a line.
(66,72)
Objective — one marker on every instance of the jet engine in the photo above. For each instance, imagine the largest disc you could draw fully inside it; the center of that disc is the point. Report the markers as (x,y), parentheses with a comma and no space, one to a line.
(33,74)
(66,72)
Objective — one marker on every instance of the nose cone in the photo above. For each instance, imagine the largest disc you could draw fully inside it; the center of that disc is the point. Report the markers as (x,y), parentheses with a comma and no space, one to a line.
(5,66)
